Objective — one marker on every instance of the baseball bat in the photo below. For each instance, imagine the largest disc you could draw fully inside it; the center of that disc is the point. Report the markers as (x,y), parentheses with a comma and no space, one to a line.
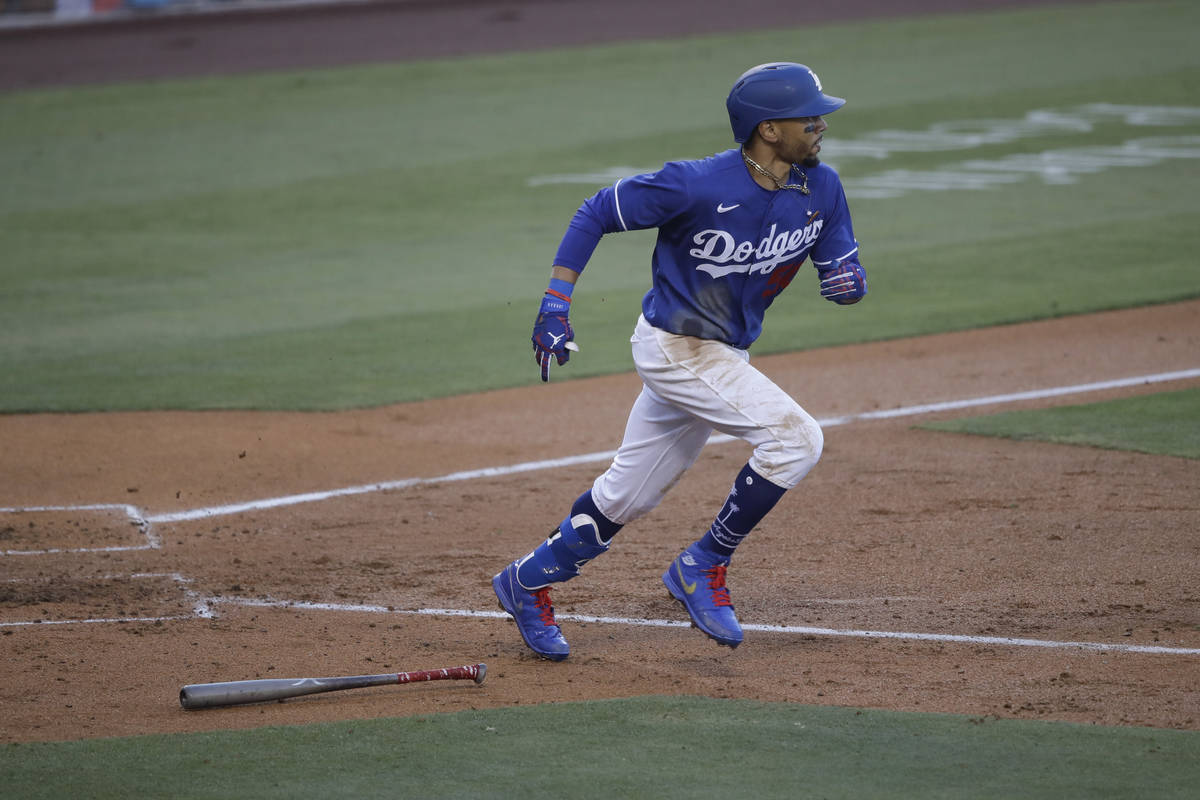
(231,693)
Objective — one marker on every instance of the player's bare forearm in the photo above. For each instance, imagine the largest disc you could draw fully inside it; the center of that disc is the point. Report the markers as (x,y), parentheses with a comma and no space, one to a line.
(564,274)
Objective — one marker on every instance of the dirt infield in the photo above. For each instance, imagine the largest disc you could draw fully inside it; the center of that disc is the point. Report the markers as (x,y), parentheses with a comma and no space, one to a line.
(898,530)
(114,592)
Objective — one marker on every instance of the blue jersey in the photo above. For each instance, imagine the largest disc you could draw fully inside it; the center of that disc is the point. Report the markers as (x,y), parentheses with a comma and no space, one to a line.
(726,246)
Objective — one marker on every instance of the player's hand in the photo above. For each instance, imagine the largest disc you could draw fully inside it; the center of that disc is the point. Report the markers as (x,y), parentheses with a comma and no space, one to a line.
(552,334)
(844,284)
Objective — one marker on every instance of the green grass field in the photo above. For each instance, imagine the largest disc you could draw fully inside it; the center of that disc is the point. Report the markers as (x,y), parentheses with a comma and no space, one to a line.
(640,748)
(1165,424)
(307,240)
(304,240)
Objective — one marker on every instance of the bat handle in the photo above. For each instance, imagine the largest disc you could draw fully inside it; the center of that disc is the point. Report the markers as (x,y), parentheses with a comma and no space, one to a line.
(475,672)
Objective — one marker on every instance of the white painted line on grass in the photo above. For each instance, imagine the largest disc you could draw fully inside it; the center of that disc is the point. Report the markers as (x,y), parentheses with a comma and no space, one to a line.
(607,455)
(998,641)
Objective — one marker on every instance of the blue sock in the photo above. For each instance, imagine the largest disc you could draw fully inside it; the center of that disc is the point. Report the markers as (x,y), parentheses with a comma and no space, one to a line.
(750,499)
(584,506)
(579,538)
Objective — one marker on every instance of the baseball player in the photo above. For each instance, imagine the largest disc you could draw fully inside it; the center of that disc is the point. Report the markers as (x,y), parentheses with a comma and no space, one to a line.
(733,231)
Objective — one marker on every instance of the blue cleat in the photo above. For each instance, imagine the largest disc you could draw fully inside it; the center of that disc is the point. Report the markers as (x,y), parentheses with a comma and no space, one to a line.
(697,580)
(533,614)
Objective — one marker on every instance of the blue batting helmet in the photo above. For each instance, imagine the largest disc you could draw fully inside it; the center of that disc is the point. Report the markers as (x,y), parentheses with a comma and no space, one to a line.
(779,90)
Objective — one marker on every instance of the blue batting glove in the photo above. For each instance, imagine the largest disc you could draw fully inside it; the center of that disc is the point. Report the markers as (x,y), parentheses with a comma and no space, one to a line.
(844,284)
(552,333)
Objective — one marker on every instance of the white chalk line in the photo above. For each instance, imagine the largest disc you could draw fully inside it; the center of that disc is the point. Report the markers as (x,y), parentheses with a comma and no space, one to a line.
(202,608)
(91,621)
(607,455)
(794,630)
(144,522)
(202,605)
(667,623)
(132,512)
(316,497)
(1015,397)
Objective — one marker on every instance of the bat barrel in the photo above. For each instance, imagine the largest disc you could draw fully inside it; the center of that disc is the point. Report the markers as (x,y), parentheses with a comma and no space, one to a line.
(206,695)
(232,693)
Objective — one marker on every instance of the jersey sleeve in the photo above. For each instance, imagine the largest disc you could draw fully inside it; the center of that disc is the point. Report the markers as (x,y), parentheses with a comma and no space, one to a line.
(637,203)
(836,242)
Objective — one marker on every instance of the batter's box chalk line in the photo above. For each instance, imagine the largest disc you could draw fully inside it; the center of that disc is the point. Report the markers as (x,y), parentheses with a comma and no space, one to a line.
(200,609)
(133,513)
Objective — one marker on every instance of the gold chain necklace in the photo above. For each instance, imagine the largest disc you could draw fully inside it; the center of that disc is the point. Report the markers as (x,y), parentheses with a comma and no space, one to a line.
(761,170)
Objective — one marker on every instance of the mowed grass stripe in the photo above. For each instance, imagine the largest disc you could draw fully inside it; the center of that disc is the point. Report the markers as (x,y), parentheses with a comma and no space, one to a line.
(1166,423)
(678,747)
(363,236)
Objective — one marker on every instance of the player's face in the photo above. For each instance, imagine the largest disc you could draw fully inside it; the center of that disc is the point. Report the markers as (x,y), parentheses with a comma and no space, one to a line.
(800,139)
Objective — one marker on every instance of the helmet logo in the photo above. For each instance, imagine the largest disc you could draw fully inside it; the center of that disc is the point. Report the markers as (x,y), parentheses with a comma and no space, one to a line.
(816,80)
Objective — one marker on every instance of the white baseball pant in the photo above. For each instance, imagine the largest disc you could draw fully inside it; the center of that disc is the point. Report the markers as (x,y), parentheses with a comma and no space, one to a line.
(692,387)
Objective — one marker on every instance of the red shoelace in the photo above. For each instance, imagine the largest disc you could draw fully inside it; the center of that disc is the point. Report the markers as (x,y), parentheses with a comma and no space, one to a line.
(716,582)
(542,600)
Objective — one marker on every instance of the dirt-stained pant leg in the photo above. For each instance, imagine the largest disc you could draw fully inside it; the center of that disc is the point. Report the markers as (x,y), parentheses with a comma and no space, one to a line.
(693,386)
